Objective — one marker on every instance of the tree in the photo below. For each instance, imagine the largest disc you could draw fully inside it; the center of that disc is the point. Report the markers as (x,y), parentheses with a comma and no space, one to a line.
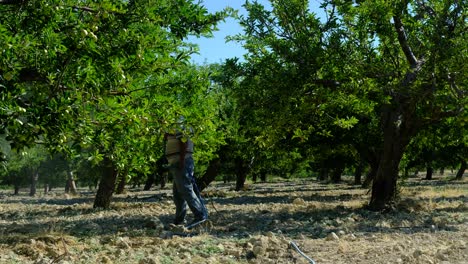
(402,60)
(57,171)
(23,168)
(440,145)
(86,73)
(426,77)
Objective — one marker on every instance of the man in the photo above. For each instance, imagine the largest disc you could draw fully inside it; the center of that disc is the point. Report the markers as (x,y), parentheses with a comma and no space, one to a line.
(179,150)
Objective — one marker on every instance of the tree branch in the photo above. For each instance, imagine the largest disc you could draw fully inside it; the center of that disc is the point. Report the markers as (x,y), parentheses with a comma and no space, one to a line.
(403,40)
(84,8)
(131,91)
(426,8)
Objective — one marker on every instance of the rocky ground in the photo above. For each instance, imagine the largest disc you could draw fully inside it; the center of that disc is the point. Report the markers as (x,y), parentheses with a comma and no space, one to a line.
(328,223)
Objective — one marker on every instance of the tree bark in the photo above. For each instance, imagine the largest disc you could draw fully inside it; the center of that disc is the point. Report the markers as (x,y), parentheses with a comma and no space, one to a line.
(370,176)
(106,185)
(336,175)
(241,174)
(358,173)
(323,174)
(149,182)
(429,172)
(263,176)
(34,179)
(398,127)
(210,174)
(384,186)
(254,177)
(399,124)
(121,182)
(16,189)
(461,171)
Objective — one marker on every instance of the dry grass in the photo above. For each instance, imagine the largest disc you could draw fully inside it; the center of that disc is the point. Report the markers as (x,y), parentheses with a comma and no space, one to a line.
(253,226)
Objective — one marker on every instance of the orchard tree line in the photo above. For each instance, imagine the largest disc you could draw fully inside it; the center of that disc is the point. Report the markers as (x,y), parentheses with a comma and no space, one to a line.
(89,88)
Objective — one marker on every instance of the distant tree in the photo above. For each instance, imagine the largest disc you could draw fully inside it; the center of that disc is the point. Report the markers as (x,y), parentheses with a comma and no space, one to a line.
(23,168)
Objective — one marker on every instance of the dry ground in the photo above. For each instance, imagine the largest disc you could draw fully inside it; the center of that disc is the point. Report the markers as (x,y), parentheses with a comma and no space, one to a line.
(327,222)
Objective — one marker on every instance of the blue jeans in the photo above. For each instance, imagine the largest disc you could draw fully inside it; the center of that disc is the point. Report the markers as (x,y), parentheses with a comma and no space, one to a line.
(186,192)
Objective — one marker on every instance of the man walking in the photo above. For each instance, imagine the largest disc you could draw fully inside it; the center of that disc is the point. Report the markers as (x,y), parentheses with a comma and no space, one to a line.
(179,150)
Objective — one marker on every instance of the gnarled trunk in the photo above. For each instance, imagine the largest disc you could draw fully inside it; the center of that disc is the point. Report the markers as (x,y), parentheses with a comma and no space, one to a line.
(461,171)
(106,185)
(210,174)
(384,187)
(398,127)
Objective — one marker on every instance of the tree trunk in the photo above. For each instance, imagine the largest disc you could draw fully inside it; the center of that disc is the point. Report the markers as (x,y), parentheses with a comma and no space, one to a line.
(358,173)
(121,182)
(398,128)
(406,173)
(70,187)
(241,174)
(254,177)
(210,174)
(461,171)
(263,176)
(336,175)
(442,171)
(429,171)
(370,176)
(46,188)
(149,182)
(34,179)
(323,174)
(16,190)
(163,171)
(163,180)
(106,185)
(384,187)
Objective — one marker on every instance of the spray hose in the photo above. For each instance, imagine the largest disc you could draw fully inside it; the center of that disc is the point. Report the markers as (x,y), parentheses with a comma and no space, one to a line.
(294,245)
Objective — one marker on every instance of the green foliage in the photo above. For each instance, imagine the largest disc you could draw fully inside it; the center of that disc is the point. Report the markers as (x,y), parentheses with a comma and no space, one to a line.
(329,88)
(105,79)
(21,165)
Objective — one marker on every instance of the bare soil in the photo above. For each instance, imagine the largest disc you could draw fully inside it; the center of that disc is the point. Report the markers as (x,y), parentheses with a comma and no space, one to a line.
(329,223)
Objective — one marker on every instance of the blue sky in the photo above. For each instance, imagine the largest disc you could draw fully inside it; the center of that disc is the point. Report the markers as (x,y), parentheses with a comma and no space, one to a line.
(216,49)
